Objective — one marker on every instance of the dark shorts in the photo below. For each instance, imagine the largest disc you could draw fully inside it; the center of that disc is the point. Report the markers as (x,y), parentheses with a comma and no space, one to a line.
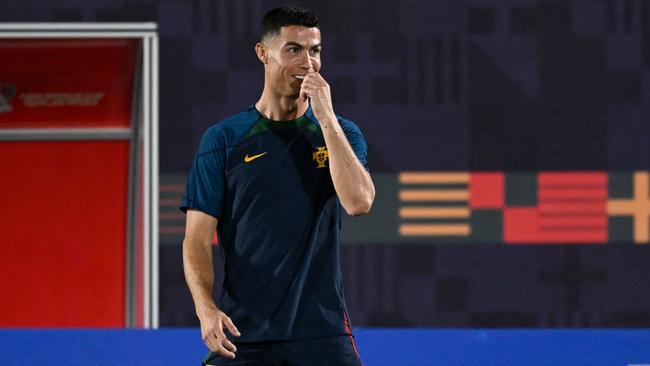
(327,351)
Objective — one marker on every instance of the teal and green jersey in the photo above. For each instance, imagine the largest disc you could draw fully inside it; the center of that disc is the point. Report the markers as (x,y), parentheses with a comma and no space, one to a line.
(279,219)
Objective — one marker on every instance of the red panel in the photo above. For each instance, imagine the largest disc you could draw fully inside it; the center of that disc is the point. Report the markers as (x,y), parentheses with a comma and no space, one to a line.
(486,190)
(568,179)
(572,209)
(66,82)
(573,195)
(529,226)
(520,225)
(599,221)
(63,233)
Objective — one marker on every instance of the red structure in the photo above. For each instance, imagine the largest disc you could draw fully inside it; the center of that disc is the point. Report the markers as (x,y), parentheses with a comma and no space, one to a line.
(75,159)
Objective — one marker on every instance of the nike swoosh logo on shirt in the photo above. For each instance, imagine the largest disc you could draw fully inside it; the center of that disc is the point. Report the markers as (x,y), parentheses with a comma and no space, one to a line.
(248,159)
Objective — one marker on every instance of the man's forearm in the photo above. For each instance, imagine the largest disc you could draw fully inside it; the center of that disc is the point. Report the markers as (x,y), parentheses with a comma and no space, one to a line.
(199,273)
(351,180)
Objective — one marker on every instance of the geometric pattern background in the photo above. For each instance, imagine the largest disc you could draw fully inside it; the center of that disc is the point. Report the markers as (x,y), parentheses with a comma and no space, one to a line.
(566,207)
(525,208)
(519,98)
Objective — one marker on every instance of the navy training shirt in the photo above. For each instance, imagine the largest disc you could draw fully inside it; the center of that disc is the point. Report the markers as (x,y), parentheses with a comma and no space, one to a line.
(279,220)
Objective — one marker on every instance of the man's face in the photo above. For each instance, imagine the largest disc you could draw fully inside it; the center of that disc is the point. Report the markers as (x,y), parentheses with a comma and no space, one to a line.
(291,55)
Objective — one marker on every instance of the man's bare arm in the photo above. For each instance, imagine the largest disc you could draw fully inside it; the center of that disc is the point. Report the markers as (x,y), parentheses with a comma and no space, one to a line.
(199,274)
(351,180)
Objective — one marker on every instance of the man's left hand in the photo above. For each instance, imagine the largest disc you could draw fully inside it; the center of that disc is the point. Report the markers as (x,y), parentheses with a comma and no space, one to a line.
(317,90)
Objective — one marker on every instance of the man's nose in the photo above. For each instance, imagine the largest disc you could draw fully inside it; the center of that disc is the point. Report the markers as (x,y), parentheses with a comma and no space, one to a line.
(307,62)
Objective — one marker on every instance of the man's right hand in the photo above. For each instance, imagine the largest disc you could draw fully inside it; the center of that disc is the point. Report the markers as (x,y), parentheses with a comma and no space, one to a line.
(213,323)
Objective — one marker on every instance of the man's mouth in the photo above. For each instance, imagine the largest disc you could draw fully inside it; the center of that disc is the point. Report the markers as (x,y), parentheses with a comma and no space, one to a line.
(299,77)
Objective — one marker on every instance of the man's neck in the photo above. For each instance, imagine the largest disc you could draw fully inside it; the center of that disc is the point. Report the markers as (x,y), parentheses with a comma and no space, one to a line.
(280,108)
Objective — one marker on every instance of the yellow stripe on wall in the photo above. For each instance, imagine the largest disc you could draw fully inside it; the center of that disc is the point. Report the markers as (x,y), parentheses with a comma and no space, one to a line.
(434,212)
(434,230)
(434,195)
(433,177)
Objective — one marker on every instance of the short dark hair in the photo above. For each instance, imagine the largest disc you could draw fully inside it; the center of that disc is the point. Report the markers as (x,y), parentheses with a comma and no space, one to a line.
(285,15)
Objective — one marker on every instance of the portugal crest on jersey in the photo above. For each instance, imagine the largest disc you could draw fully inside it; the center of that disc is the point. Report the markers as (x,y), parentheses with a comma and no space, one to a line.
(320,157)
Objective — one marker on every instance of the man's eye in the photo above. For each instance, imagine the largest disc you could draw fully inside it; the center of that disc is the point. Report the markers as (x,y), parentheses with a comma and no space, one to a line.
(294,50)
(315,51)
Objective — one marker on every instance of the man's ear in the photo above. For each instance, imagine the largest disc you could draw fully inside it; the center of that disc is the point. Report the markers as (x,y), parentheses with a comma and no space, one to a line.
(261,51)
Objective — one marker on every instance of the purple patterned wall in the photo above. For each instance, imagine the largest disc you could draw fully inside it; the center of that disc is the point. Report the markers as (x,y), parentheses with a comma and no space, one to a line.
(473,85)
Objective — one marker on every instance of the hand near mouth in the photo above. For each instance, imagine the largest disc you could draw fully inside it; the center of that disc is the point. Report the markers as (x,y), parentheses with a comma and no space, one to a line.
(317,90)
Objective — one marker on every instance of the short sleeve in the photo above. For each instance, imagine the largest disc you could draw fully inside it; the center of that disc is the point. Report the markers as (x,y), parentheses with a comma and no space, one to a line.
(205,183)
(357,141)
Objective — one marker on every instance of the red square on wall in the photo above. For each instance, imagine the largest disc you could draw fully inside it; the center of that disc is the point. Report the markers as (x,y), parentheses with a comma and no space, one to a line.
(486,190)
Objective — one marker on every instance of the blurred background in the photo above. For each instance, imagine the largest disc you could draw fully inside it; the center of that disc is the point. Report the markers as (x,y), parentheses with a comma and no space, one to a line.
(508,142)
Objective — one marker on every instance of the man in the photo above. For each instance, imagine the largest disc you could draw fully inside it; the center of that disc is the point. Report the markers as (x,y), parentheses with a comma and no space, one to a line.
(272,180)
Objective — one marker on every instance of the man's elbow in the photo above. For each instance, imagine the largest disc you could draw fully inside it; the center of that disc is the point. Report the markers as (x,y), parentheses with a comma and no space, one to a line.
(359,207)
